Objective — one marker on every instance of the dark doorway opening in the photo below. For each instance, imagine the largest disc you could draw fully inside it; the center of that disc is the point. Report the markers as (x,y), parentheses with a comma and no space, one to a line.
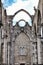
(22,64)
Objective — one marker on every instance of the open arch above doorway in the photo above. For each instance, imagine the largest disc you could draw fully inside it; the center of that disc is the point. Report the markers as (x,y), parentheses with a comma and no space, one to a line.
(22,14)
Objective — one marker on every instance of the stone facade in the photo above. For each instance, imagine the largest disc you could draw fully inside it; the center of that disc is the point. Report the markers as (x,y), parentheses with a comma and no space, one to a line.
(22,45)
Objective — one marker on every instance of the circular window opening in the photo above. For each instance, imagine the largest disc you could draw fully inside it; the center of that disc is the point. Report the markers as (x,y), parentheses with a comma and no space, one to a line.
(22,23)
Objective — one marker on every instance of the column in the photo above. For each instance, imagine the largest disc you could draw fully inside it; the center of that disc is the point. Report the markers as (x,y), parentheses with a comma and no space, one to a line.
(39,50)
(0,45)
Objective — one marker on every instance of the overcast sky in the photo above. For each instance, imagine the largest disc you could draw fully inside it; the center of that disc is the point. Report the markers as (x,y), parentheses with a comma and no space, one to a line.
(13,6)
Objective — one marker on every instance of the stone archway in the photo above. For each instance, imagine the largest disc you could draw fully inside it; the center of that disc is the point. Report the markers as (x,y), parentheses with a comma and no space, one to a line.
(21,43)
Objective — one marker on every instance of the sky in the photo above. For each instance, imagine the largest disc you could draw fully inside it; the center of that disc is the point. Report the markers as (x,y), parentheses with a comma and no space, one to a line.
(13,6)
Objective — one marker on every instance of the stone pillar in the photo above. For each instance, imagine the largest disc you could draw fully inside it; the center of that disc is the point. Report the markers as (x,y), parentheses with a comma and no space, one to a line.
(5,46)
(8,53)
(5,52)
(39,50)
(0,45)
(31,53)
(12,47)
(35,51)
